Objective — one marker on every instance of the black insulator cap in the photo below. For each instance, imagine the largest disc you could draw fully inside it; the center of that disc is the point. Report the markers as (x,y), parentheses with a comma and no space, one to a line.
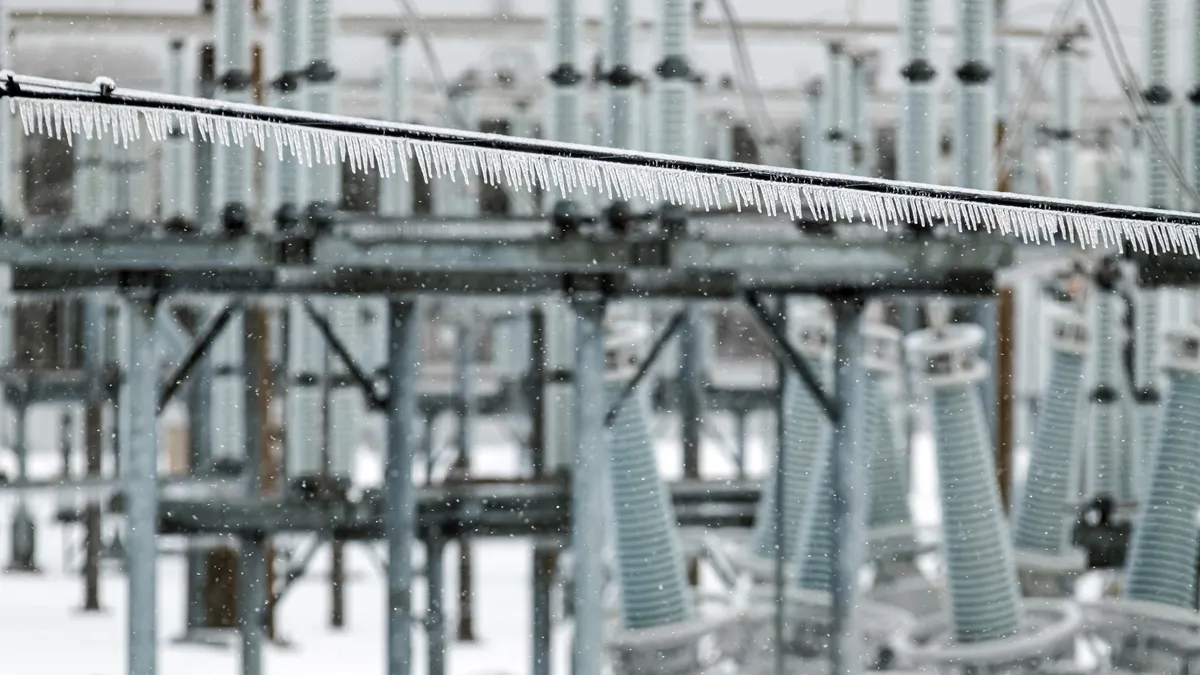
(319,216)
(620,216)
(1157,94)
(319,71)
(974,72)
(1108,274)
(674,67)
(178,225)
(674,219)
(235,219)
(565,75)
(287,217)
(621,76)
(918,71)
(566,216)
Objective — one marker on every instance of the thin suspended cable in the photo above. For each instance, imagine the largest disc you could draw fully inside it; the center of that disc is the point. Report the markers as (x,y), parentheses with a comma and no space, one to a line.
(65,110)
(431,59)
(1130,85)
(751,89)
(1028,93)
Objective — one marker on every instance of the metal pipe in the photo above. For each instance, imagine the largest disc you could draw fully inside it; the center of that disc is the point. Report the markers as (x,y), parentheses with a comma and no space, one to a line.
(435,619)
(400,512)
(140,477)
(848,513)
(587,502)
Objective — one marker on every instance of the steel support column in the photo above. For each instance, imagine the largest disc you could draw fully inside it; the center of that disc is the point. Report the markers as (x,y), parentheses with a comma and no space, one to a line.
(400,509)
(467,376)
(691,388)
(587,497)
(139,407)
(848,512)
(435,615)
(544,559)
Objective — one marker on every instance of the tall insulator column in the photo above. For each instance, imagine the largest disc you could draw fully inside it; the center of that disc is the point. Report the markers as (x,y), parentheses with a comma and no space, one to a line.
(918,158)
(321,82)
(837,103)
(804,439)
(1041,531)
(1162,558)
(1066,118)
(346,406)
(984,598)
(395,193)
(816,155)
(889,517)
(233,192)
(976,121)
(305,401)
(1159,187)
(177,207)
(289,44)
(1108,445)
(566,117)
(654,589)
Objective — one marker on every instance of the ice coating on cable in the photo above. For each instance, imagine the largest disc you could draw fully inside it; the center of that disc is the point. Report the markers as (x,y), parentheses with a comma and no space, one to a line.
(653,182)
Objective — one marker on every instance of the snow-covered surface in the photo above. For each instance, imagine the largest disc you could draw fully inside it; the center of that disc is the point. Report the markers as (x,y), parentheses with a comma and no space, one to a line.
(44,631)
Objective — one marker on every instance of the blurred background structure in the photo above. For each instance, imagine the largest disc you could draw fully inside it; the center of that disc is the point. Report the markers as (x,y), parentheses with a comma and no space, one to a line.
(511,431)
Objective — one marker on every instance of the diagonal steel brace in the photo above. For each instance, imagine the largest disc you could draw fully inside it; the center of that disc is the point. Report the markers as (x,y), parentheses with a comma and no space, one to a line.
(787,354)
(208,335)
(364,381)
(647,363)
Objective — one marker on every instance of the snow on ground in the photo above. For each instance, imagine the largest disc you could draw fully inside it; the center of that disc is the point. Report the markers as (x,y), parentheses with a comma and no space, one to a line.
(44,632)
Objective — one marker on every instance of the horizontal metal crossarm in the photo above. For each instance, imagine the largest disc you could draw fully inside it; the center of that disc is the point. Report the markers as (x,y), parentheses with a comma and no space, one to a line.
(64,108)
(690,267)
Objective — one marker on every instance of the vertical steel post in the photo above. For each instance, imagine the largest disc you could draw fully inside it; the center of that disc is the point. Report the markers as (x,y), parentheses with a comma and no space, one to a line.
(252,565)
(435,619)
(849,507)
(544,559)
(465,365)
(93,432)
(400,503)
(139,407)
(587,499)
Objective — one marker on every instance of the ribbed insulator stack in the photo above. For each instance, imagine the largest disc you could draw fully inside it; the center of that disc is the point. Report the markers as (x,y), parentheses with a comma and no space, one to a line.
(176,203)
(837,103)
(1159,183)
(305,404)
(321,85)
(1107,443)
(887,469)
(621,81)
(1162,558)
(232,176)
(654,590)
(229,393)
(1042,513)
(675,88)
(395,194)
(804,436)
(816,157)
(1146,342)
(918,158)
(345,402)
(87,204)
(1066,118)
(856,115)
(984,597)
(289,41)
(976,114)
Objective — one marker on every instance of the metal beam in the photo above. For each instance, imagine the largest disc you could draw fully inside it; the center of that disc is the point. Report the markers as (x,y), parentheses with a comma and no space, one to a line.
(140,474)
(692,267)
(399,493)
(783,348)
(647,364)
(199,347)
(364,381)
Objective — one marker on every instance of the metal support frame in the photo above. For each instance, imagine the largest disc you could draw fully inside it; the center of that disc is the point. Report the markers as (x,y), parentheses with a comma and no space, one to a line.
(691,388)
(848,512)
(587,497)
(140,473)
(435,615)
(356,372)
(785,352)
(195,353)
(400,513)
(646,365)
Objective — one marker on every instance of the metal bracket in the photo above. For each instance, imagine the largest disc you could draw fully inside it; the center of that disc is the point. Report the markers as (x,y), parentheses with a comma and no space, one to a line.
(785,352)
(200,346)
(644,369)
(374,399)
